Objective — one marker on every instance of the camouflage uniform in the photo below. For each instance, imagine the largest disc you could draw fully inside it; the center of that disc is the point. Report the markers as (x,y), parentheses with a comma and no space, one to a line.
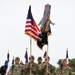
(16,69)
(65,71)
(34,71)
(39,65)
(39,69)
(51,69)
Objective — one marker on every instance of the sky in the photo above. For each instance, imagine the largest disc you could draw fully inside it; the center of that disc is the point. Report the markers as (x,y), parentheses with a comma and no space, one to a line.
(13,14)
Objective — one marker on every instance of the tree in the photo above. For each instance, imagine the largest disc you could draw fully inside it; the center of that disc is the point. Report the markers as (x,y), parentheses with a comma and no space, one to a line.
(72,64)
(59,62)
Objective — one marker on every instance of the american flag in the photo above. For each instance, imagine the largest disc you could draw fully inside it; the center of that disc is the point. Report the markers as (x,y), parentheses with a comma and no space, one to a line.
(31,27)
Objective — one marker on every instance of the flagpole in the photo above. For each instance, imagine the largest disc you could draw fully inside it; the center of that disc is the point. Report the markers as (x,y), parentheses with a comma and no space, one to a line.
(30,50)
(30,40)
(47,50)
(47,44)
(66,49)
(47,23)
(30,46)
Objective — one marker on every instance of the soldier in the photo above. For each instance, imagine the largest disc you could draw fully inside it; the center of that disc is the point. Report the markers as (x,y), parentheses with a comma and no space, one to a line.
(31,67)
(39,60)
(3,68)
(47,68)
(16,69)
(39,65)
(64,69)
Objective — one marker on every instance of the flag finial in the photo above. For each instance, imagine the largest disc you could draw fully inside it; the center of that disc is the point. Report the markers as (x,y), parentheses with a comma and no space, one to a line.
(66,48)
(8,51)
(26,49)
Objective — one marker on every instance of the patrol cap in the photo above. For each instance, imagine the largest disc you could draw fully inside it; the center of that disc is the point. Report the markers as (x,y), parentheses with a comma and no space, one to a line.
(31,57)
(39,58)
(17,58)
(47,57)
(63,60)
(6,62)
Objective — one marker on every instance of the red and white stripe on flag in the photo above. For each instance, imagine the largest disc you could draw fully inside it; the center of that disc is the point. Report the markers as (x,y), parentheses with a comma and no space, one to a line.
(31,30)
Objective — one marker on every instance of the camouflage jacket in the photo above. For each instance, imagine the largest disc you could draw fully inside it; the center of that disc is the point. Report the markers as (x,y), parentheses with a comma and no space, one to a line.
(50,68)
(16,69)
(39,69)
(33,71)
(64,71)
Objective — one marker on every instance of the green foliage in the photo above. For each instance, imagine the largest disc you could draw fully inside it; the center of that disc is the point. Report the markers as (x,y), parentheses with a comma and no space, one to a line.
(59,61)
(72,62)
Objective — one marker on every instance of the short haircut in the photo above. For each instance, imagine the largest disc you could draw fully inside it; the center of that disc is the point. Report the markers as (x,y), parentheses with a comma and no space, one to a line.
(17,58)
(39,58)
(31,57)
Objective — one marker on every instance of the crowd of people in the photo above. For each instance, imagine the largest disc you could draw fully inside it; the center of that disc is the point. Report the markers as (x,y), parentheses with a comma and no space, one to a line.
(40,68)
